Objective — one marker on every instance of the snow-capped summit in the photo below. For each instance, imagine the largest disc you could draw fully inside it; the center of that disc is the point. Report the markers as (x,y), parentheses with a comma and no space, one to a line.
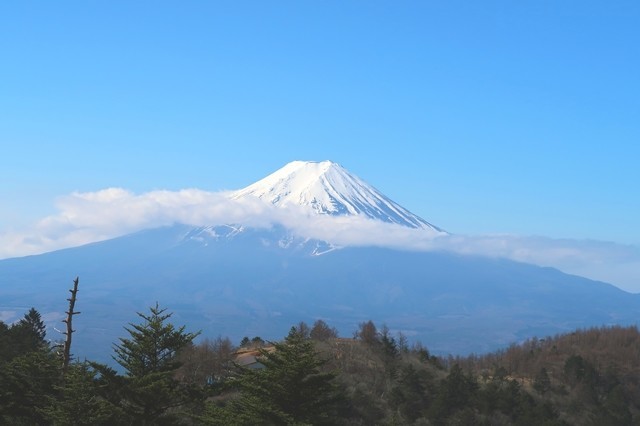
(327,188)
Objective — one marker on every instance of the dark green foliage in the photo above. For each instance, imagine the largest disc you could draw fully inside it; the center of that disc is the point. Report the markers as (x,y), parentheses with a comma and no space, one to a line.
(577,370)
(505,398)
(291,389)
(28,371)
(78,400)
(587,377)
(389,349)
(500,395)
(257,341)
(152,346)
(32,329)
(26,383)
(388,344)
(5,343)
(528,411)
(455,393)
(542,382)
(403,343)
(410,395)
(615,408)
(27,335)
(424,355)
(149,391)
(584,377)
(365,407)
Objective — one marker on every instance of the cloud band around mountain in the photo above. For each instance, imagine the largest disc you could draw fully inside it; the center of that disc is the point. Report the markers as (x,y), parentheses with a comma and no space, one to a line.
(95,216)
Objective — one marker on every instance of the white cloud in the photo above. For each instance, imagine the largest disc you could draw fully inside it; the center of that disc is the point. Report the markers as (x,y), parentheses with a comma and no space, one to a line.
(605,261)
(94,216)
(88,217)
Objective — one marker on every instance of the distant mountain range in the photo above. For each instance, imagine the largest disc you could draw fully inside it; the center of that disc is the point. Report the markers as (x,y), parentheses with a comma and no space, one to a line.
(236,280)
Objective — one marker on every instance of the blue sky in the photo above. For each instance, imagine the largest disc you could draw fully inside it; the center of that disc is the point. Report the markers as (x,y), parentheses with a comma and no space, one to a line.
(482,117)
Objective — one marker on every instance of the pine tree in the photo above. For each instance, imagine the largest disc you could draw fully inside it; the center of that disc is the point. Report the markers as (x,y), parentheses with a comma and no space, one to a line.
(32,321)
(77,400)
(26,381)
(153,345)
(542,382)
(149,358)
(29,333)
(291,389)
(27,370)
(6,343)
(409,395)
(455,393)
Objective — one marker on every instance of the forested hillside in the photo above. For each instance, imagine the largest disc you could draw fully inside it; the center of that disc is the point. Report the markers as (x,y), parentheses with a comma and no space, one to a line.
(587,377)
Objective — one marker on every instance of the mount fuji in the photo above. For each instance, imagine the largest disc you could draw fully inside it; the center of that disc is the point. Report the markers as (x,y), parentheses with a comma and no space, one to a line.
(237,279)
(327,188)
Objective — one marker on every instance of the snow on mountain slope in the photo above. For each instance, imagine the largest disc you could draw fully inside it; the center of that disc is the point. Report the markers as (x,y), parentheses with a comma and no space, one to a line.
(276,237)
(327,188)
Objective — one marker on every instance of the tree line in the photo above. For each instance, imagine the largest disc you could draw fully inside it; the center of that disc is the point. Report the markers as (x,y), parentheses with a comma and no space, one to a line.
(314,377)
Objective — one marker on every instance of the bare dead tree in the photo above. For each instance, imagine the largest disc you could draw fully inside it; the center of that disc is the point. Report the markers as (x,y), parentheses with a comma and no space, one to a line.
(66,355)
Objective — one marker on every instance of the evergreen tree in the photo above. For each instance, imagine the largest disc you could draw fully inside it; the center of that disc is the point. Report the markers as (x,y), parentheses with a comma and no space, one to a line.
(26,335)
(403,343)
(291,389)
(34,326)
(389,345)
(6,344)
(455,393)
(25,383)
(28,370)
(615,408)
(149,358)
(153,345)
(77,401)
(409,396)
(542,382)
(257,342)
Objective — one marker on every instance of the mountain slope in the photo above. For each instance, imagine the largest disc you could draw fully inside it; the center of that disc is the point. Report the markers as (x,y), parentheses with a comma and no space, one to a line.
(249,283)
(327,188)
(240,281)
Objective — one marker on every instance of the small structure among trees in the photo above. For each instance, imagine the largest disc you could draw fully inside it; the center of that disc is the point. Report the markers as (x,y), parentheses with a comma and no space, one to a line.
(290,389)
